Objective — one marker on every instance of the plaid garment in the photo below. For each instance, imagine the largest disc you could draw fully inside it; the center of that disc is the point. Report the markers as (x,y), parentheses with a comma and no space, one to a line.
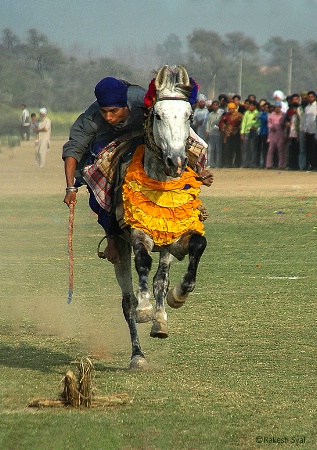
(196,154)
(201,161)
(100,175)
(99,185)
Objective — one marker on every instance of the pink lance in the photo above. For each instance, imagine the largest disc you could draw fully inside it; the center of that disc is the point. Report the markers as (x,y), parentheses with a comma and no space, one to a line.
(70,252)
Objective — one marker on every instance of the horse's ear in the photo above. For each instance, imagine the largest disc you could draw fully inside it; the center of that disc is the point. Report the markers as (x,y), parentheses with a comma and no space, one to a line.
(183,76)
(161,77)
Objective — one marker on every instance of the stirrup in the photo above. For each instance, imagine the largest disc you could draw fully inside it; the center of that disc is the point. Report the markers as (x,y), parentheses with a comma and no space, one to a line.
(100,254)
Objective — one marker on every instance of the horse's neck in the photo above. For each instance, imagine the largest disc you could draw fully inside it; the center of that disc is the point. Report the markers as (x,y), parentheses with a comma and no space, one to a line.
(154,167)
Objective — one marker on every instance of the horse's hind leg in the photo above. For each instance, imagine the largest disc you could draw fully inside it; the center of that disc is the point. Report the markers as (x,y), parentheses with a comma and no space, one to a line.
(177,296)
(142,246)
(160,287)
(129,303)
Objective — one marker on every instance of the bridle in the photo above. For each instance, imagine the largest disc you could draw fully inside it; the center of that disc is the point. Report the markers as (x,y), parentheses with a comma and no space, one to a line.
(148,128)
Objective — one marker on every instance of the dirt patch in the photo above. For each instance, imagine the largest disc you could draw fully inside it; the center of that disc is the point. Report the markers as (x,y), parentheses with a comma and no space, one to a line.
(20,175)
(261,182)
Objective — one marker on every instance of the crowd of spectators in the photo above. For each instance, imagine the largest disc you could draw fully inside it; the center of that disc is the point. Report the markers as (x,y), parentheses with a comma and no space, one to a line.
(258,133)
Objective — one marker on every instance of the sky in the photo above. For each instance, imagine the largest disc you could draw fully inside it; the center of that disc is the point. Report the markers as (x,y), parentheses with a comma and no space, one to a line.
(100,26)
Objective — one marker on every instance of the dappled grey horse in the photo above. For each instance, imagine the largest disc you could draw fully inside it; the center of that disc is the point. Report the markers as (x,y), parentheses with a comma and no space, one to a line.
(162,162)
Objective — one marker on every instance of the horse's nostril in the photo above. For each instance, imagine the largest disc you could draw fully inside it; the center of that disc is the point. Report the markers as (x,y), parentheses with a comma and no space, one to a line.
(169,162)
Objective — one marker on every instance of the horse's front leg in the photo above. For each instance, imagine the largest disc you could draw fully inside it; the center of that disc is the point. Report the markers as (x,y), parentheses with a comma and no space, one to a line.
(195,247)
(129,303)
(142,247)
(160,287)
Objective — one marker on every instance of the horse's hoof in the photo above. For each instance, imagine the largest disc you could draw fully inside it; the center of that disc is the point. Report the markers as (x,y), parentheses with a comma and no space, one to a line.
(144,315)
(173,300)
(159,330)
(138,363)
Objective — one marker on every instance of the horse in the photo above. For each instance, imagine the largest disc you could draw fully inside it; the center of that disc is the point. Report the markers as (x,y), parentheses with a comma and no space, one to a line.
(161,162)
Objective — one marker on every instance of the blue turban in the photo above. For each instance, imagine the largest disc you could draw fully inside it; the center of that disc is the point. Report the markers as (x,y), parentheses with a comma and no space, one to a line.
(111,92)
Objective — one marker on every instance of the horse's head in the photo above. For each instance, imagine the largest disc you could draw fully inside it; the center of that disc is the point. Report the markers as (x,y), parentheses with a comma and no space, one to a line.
(171,118)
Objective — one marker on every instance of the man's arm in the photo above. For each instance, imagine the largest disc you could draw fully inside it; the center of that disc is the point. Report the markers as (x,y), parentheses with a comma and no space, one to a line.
(70,168)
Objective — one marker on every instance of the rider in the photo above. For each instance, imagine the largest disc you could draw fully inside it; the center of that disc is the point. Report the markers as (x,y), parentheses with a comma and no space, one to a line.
(119,109)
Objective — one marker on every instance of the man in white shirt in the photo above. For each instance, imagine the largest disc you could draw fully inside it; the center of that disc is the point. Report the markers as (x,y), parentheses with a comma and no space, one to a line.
(199,117)
(26,124)
(213,136)
(44,136)
(310,131)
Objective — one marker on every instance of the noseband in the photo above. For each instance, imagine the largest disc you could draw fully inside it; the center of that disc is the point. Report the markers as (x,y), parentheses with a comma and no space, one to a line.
(148,128)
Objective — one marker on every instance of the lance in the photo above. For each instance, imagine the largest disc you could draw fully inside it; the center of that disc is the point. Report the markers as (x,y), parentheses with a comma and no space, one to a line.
(70,252)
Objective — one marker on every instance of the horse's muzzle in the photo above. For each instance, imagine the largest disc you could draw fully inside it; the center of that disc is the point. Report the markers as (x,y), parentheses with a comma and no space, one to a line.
(175,165)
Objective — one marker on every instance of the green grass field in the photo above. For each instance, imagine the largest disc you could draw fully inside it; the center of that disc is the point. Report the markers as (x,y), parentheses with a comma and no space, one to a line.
(238,370)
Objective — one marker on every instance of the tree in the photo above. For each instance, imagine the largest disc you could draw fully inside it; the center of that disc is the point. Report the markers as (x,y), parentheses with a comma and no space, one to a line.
(42,55)
(207,51)
(281,51)
(237,42)
(9,41)
(170,52)
(240,47)
(36,40)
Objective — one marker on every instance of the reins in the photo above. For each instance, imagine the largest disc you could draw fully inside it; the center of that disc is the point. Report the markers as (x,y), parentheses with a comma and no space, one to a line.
(148,136)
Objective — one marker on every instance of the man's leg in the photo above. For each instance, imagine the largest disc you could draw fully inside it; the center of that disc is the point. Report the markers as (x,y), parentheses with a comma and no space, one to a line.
(105,219)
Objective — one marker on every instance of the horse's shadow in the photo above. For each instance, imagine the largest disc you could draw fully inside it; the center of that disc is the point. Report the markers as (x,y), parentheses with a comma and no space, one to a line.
(26,356)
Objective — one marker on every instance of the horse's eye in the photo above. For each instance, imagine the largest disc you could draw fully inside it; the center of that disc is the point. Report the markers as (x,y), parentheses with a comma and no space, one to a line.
(157,116)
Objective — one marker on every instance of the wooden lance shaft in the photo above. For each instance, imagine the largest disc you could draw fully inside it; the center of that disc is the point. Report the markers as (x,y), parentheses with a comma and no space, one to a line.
(70,252)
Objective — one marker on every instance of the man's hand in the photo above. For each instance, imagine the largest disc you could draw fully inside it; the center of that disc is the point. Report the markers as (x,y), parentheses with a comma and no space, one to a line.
(69,198)
(206,177)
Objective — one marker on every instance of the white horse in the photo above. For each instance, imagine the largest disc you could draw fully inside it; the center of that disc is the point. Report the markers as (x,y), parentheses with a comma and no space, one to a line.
(161,162)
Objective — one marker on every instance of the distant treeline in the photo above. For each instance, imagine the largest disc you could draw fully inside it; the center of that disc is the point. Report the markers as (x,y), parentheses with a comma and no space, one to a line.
(37,72)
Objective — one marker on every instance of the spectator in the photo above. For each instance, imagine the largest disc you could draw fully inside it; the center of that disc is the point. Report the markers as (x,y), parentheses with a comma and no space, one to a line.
(34,125)
(263,132)
(302,142)
(44,135)
(271,108)
(213,136)
(237,101)
(249,136)
(25,125)
(246,104)
(279,96)
(199,117)
(276,125)
(252,97)
(223,102)
(292,129)
(310,131)
(229,125)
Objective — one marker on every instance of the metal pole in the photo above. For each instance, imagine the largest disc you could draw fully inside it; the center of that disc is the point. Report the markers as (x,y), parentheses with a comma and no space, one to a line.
(290,70)
(240,73)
